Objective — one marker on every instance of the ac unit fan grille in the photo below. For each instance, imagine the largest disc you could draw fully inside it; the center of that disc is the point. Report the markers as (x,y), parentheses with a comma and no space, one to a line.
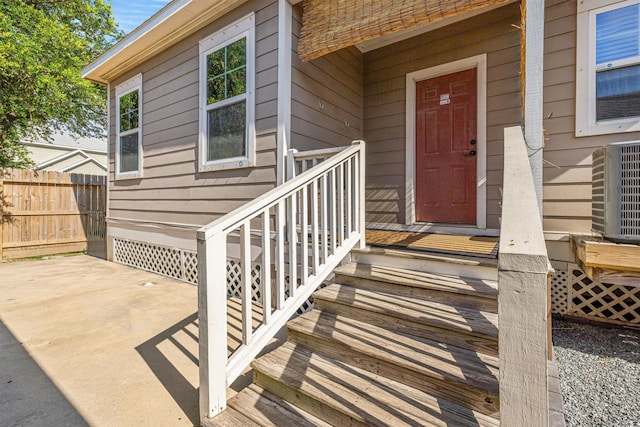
(630,190)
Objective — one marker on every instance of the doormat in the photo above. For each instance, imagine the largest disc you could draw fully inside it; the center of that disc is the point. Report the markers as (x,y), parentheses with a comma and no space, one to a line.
(480,246)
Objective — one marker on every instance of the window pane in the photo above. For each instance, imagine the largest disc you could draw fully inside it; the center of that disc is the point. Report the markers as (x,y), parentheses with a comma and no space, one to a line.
(215,90)
(618,93)
(215,63)
(227,132)
(617,34)
(236,83)
(236,54)
(226,72)
(129,111)
(129,153)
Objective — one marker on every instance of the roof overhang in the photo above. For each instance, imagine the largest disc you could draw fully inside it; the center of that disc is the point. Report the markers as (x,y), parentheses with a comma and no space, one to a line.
(172,23)
(330,26)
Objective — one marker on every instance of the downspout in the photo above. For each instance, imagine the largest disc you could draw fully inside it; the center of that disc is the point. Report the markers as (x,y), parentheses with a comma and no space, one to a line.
(533,90)
(283,142)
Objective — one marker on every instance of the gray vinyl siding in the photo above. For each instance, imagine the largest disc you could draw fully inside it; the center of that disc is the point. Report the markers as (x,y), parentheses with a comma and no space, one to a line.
(172,190)
(327,97)
(385,71)
(567,176)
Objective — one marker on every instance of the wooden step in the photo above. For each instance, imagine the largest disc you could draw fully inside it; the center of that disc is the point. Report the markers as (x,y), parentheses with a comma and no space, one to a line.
(462,327)
(436,263)
(254,406)
(464,292)
(341,394)
(458,375)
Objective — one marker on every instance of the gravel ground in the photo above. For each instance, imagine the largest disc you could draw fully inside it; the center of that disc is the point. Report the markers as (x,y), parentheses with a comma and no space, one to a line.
(599,373)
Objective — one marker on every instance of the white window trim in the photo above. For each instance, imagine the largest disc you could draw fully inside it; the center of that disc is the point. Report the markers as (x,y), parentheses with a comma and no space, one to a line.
(131,85)
(244,27)
(586,124)
(478,62)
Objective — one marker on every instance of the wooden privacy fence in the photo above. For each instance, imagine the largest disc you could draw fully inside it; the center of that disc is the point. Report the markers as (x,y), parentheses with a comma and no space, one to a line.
(45,213)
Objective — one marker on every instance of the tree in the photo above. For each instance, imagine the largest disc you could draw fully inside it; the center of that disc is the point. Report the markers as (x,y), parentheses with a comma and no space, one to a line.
(43,46)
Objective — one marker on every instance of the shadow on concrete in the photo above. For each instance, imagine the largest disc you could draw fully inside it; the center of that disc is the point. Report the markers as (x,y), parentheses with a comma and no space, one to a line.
(28,398)
(178,386)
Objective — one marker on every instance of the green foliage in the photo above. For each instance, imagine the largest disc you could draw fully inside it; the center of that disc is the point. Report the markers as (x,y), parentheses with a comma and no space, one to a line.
(43,46)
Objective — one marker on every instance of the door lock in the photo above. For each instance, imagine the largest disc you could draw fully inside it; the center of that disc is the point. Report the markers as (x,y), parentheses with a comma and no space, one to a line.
(472,142)
(470,153)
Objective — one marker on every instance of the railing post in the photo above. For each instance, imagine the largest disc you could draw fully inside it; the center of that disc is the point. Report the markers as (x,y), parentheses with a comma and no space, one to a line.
(361,194)
(212,323)
(291,163)
(523,267)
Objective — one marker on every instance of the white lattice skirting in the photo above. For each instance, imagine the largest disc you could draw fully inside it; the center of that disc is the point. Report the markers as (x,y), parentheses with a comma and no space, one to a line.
(183,265)
(573,293)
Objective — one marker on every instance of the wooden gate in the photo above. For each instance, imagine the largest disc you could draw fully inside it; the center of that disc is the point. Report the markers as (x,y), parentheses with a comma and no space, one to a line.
(43,213)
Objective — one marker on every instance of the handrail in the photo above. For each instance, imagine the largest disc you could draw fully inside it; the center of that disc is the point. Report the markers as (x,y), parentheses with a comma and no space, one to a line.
(269,198)
(295,234)
(523,272)
(300,161)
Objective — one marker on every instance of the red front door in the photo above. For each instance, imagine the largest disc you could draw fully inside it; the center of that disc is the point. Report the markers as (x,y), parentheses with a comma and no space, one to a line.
(446,149)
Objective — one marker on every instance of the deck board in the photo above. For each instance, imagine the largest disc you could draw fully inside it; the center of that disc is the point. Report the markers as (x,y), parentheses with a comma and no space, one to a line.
(480,246)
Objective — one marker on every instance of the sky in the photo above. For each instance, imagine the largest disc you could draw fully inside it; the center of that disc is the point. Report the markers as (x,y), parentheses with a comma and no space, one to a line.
(131,13)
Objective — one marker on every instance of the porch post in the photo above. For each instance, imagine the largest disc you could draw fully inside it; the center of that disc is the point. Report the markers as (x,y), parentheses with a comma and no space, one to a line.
(284,88)
(534,53)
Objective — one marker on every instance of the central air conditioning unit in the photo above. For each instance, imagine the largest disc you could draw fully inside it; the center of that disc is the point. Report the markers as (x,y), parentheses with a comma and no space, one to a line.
(616,192)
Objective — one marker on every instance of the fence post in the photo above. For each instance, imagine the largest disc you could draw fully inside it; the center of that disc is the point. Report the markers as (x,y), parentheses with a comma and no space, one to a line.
(212,323)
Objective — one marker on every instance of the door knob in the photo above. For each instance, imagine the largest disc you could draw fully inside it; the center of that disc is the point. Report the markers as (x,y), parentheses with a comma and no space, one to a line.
(470,153)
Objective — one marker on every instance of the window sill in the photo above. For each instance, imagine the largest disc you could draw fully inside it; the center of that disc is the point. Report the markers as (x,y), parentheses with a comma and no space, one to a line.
(128,175)
(610,127)
(236,163)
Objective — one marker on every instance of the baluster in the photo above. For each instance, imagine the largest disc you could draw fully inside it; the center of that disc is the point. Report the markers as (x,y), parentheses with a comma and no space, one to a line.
(323,213)
(280,279)
(304,236)
(265,282)
(245,281)
(340,204)
(332,196)
(315,250)
(293,243)
(349,199)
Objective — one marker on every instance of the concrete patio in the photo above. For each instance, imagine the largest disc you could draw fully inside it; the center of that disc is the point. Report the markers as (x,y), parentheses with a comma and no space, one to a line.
(85,341)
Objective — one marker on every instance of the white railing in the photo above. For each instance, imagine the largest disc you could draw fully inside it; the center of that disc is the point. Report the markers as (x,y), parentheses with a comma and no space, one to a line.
(289,232)
(299,162)
(523,282)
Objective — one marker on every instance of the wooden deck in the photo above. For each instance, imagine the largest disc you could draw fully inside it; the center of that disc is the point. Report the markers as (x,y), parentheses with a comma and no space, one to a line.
(479,246)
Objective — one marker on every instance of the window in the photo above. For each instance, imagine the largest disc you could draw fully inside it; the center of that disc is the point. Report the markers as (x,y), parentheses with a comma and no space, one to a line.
(608,67)
(129,129)
(227,132)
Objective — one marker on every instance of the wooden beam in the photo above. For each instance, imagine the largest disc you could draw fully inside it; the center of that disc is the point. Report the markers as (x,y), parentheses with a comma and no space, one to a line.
(591,253)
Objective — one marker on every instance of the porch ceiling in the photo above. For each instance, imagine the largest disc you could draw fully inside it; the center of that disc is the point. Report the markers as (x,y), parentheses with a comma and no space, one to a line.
(328,26)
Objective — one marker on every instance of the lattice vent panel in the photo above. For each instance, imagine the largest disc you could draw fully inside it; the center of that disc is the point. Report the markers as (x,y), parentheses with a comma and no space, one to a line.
(603,300)
(560,282)
(308,305)
(234,280)
(158,259)
(179,264)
